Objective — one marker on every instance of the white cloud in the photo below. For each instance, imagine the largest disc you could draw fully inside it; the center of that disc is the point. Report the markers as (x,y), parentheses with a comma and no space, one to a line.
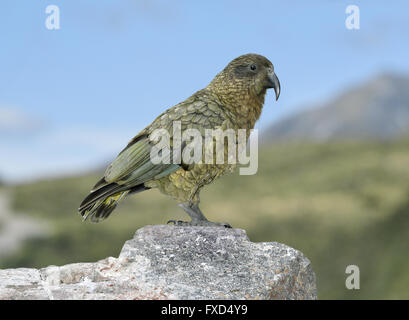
(14,120)
(97,139)
(61,151)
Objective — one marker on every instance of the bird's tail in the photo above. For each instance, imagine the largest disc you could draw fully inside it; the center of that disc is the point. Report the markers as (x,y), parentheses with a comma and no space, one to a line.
(104,198)
(100,208)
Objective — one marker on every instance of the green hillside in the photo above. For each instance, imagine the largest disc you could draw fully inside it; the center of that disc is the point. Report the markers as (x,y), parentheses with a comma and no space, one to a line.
(340,204)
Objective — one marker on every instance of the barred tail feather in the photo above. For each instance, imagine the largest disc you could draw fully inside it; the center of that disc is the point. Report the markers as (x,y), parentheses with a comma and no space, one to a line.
(100,203)
(102,208)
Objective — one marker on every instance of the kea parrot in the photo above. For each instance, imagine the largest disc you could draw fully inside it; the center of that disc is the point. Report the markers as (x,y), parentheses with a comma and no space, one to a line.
(232,100)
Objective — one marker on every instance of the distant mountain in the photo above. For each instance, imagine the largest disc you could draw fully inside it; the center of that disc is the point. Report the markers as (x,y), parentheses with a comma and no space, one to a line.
(378,109)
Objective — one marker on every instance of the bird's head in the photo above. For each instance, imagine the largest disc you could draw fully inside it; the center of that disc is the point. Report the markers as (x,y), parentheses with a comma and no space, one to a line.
(249,74)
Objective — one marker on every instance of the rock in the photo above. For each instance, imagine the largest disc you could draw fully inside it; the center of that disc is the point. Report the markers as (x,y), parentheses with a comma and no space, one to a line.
(172,262)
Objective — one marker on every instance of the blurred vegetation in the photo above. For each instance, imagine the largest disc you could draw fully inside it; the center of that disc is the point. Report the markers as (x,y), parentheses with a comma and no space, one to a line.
(339,203)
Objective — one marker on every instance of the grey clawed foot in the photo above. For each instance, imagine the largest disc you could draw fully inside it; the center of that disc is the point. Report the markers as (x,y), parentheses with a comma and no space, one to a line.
(214,224)
(178,222)
(197,216)
(200,223)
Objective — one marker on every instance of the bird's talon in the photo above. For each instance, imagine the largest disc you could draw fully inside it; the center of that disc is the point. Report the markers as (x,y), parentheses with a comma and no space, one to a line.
(178,222)
(200,223)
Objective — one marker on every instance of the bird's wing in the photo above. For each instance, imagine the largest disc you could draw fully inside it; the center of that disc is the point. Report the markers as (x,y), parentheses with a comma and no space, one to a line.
(133,165)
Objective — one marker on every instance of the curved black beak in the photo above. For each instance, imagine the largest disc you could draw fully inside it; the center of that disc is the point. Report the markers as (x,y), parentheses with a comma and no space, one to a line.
(273,82)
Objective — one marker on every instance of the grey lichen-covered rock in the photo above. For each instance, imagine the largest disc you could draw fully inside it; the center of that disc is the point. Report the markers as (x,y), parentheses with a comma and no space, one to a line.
(172,262)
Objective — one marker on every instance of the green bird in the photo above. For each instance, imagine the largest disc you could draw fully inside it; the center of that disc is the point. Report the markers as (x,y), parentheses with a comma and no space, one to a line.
(233,100)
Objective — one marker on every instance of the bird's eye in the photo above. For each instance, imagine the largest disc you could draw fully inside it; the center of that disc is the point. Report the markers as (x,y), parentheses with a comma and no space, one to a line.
(253,67)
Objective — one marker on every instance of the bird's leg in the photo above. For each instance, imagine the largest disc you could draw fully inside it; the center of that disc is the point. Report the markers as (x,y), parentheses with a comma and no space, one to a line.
(197,216)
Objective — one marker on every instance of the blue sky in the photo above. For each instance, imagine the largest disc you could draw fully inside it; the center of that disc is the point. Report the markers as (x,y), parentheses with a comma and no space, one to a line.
(70,99)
